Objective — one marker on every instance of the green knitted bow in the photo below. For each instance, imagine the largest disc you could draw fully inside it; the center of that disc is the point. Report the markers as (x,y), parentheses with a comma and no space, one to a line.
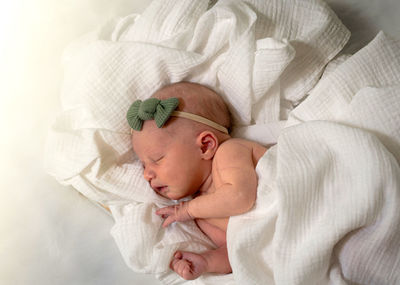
(152,108)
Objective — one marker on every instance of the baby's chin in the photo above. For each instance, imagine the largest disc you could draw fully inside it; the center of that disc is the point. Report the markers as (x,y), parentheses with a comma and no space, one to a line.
(172,193)
(175,196)
(167,194)
(188,195)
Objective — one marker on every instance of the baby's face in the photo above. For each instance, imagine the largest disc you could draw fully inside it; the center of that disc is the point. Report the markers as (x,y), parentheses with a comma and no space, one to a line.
(171,163)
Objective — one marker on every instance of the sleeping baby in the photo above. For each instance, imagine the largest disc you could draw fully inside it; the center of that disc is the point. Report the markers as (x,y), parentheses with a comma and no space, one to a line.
(181,137)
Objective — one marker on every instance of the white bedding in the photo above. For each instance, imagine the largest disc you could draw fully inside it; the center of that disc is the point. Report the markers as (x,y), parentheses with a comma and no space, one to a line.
(262,58)
(326,211)
(262,62)
(329,191)
(36,220)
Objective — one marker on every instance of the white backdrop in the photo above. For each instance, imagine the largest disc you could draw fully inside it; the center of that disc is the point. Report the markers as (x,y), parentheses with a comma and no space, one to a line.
(49,234)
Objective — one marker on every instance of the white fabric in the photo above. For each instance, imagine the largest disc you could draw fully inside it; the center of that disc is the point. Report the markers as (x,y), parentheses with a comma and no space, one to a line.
(239,48)
(327,209)
(49,234)
(261,56)
(258,55)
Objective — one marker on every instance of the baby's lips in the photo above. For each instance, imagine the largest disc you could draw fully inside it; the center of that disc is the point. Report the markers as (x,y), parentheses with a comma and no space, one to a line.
(158,188)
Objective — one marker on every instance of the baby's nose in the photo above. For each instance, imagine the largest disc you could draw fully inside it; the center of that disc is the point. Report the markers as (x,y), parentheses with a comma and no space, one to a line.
(148,174)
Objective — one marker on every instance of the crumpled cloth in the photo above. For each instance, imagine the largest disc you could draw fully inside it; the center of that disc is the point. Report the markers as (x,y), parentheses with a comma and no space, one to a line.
(263,57)
(328,200)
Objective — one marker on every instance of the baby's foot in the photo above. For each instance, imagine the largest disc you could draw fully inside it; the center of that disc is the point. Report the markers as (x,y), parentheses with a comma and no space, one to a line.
(188,265)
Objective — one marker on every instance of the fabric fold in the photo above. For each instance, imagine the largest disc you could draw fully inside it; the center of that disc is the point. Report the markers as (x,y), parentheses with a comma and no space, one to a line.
(262,57)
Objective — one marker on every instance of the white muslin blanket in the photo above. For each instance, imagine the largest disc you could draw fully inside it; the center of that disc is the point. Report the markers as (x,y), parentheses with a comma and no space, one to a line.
(322,189)
(327,209)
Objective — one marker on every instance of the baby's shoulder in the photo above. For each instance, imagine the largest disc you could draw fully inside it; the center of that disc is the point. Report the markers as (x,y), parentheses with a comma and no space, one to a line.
(239,149)
(233,144)
(237,143)
(232,148)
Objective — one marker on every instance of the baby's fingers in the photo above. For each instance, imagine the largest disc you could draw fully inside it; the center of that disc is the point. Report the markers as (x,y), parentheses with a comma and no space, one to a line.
(182,267)
(178,255)
(166,211)
(173,263)
(169,220)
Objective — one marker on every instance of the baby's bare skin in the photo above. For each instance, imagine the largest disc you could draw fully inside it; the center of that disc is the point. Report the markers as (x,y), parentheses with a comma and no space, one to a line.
(191,265)
(187,158)
(257,151)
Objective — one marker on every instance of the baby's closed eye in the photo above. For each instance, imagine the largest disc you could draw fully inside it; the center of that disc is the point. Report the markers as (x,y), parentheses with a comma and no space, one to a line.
(158,159)
(152,160)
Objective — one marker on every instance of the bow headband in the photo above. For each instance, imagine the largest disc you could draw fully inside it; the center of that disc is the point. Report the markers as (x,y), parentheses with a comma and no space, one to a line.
(160,111)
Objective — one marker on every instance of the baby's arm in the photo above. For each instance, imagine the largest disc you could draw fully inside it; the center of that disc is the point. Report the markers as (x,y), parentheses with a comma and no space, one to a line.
(236,180)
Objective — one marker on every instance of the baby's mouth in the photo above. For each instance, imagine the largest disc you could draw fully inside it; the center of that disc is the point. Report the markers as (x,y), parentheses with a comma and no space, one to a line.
(161,189)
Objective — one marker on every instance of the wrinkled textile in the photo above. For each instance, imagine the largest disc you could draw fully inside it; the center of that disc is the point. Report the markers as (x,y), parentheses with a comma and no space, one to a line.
(329,191)
(326,211)
(263,57)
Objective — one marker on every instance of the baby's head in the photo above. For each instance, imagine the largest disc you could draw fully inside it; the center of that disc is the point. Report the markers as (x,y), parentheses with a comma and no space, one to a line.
(177,158)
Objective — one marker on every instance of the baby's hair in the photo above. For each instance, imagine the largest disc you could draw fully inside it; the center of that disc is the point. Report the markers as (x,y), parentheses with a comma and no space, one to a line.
(197,99)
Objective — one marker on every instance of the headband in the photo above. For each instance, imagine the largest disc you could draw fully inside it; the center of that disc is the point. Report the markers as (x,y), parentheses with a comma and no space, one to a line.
(161,111)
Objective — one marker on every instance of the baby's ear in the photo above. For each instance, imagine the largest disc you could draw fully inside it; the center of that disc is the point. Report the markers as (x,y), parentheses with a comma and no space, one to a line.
(208,143)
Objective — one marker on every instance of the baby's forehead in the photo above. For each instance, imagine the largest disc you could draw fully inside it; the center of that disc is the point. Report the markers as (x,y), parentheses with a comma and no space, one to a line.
(174,131)
(149,133)
(149,143)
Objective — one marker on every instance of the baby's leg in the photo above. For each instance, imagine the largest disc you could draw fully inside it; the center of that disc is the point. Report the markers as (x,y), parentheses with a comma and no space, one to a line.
(190,265)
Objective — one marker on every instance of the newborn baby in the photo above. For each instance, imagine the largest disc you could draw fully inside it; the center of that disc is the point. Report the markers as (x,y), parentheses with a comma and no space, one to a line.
(181,137)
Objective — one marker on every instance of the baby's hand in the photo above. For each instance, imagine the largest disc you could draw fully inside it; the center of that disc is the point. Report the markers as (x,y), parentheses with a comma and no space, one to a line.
(176,213)
(188,265)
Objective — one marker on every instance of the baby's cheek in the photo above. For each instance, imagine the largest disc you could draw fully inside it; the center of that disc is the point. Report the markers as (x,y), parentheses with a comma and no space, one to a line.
(177,174)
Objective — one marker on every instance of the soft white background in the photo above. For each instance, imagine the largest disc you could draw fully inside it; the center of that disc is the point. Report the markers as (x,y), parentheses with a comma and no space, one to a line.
(48,233)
